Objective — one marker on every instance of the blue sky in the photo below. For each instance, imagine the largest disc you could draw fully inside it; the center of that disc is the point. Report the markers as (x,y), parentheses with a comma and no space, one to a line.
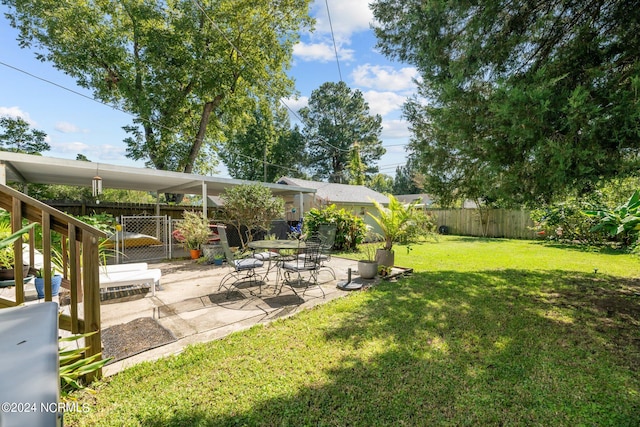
(51,101)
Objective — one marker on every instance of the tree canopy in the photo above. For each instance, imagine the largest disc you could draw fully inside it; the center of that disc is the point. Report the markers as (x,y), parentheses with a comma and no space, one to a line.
(335,120)
(267,149)
(18,136)
(519,101)
(187,71)
(250,208)
(407,179)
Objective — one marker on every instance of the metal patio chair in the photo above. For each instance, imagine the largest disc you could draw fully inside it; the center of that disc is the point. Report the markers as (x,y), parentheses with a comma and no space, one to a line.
(327,235)
(243,269)
(307,262)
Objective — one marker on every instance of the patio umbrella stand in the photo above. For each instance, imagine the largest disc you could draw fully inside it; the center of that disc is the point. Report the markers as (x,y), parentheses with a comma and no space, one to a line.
(349,285)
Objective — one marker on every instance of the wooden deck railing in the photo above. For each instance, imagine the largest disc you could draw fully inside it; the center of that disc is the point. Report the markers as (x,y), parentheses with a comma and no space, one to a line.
(80,258)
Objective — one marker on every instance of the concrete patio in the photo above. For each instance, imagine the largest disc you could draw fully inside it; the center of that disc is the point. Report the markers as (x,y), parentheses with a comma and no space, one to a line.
(190,305)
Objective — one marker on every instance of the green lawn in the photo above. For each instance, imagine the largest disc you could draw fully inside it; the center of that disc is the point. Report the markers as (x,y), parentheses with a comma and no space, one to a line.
(485,332)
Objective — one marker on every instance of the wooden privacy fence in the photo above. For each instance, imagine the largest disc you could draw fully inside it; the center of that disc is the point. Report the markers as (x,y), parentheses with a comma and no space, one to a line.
(120,209)
(511,224)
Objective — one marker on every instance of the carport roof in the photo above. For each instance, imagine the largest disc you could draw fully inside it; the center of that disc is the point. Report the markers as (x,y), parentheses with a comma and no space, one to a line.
(27,168)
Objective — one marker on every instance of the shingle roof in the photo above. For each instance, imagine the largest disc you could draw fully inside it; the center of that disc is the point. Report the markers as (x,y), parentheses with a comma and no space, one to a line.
(338,193)
(424,198)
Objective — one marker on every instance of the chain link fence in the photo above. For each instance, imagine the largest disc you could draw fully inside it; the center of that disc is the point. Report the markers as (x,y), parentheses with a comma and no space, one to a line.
(145,238)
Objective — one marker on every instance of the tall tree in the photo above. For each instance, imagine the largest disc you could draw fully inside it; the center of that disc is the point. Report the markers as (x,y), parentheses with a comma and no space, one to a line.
(381,183)
(356,167)
(520,101)
(267,149)
(335,119)
(407,178)
(18,136)
(185,69)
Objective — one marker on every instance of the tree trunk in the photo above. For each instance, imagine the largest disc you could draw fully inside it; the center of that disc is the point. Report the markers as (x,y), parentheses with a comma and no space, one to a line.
(209,107)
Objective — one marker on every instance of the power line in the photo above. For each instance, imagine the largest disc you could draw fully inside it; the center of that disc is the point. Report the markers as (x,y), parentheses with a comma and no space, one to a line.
(75,92)
(335,48)
(396,145)
(62,87)
(217,28)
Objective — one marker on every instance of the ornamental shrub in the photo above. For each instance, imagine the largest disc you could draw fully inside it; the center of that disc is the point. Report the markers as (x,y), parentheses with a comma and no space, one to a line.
(422,226)
(568,222)
(350,228)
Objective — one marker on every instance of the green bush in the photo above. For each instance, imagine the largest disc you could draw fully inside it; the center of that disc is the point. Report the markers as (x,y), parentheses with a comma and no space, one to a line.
(350,229)
(621,222)
(567,221)
(422,225)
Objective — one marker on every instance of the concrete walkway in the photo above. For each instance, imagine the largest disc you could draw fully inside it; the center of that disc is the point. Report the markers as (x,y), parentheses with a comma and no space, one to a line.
(190,305)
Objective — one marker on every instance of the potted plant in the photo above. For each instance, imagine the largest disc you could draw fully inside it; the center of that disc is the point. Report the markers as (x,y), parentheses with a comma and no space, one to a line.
(194,231)
(7,255)
(57,272)
(368,267)
(218,258)
(393,221)
(56,281)
(384,270)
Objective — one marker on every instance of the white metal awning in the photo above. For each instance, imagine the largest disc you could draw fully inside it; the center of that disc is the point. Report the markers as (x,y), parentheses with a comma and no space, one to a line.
(26,168)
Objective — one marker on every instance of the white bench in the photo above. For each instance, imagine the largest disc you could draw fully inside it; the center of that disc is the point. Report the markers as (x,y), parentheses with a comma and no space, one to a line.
(137,273)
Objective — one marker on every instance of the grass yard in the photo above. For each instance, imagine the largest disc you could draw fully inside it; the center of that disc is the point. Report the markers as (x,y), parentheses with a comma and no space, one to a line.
(486,332)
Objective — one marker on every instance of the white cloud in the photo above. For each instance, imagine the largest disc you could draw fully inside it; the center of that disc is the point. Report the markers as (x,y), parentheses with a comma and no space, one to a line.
(395,129)
(385,77)
(293,106)
(110,152)
(296,103)
(70,147)
(347,17)
(102,153)
(16,112)
(383,102)
(323,52)
(66,127)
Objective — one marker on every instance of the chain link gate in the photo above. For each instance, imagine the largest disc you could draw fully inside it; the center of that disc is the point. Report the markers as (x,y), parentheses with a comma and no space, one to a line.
(143,238)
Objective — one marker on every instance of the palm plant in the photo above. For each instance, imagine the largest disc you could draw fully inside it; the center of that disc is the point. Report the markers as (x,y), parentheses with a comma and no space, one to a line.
(7,255)
(394,220)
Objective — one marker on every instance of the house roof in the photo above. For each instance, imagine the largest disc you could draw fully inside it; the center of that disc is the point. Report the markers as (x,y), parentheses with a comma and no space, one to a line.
(27,168)
(425,199)
(338,193)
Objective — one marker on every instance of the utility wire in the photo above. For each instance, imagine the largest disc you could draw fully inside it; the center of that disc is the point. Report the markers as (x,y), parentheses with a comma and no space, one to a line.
(240,54)
(224,36)
(335,47)
(75,92)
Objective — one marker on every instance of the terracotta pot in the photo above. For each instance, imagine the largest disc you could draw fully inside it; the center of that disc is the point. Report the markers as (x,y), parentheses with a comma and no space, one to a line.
(195,253)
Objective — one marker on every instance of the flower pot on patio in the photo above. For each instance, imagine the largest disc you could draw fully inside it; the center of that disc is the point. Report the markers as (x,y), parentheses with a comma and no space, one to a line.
(211,252)
(385,257)
(9,273)
(367,269)
(195,253)
(56,281)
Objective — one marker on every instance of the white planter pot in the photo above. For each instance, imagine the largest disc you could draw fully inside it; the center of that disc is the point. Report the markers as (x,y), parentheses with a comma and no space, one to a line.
(367,269)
